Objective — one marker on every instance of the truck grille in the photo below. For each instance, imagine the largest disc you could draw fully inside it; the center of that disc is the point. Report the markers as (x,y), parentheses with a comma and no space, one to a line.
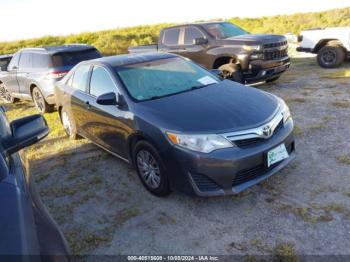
(244,143)
(257,171)
(275,51)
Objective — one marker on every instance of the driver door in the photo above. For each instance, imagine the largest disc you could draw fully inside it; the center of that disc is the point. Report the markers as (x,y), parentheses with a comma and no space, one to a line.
(107,125)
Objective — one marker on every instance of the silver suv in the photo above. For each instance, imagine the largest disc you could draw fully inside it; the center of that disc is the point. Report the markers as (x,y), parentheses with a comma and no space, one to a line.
(32,73)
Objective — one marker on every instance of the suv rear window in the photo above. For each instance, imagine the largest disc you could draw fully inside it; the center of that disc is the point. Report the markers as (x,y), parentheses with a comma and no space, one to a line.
(73,58)
(171,36)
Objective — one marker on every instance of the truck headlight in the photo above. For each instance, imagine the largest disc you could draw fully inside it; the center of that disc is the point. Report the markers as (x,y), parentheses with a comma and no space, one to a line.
(285,110)
(252,47)
(199,143)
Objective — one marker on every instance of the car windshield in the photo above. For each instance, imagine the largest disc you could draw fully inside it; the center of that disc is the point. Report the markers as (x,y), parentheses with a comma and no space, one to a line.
(164,77)
(73,58)
(224,30)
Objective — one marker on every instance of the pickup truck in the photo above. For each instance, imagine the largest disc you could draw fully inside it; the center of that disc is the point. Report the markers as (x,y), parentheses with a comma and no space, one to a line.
(332,45)
(239,55)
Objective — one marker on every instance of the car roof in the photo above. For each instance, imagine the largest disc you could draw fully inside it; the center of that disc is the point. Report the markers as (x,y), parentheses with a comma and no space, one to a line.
(197,23)
(128,59)
(59,48)
(6,56)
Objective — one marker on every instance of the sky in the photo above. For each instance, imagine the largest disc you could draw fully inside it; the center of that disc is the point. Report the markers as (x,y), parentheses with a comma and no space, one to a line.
(21,19)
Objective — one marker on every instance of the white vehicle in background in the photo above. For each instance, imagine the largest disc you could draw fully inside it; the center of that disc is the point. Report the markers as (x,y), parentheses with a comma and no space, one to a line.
(332,45)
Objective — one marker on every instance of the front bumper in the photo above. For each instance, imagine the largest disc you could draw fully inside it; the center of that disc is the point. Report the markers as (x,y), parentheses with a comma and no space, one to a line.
(228,171)
(260,70)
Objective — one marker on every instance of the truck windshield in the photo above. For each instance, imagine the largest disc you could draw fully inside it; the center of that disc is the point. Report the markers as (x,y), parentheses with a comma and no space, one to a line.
(224,30)
(164,77)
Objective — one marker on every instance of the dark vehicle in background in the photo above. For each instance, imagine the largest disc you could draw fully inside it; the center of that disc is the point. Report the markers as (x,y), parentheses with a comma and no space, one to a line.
(242,57)
(25,224)
(4,62)
(33,72)
(180,125)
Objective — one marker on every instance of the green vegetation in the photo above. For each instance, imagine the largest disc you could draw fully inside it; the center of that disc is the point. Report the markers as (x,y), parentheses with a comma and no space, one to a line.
(116,41)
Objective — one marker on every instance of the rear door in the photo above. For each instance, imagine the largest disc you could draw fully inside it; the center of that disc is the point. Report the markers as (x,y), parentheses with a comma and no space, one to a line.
(23,72)
(76,96)
(106,124)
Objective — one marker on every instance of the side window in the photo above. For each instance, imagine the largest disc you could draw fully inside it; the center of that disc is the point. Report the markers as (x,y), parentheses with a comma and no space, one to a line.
(191,33)
(171,36)
(101,82)
(26,61)
(80,78)
(40,61)
(14,61)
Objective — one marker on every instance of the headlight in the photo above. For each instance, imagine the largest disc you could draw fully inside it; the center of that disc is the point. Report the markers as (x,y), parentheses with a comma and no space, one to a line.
(251,47)
(199,143)
(285,110)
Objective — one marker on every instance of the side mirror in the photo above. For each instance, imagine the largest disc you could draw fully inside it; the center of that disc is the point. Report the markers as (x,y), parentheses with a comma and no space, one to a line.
(216,72)
(107,99)
(200,41)
(26,131)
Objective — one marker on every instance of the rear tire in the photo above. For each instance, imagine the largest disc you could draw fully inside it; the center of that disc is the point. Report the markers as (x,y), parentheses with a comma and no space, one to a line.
(151,169)
(6,95)
(232,72)
(40,102)
(69,125)
(331,56)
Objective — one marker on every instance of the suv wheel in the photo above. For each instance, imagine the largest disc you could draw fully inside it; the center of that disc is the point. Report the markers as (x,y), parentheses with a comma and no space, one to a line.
(150,169)
(232,72)
(331,56)
(40,102)
(69,124)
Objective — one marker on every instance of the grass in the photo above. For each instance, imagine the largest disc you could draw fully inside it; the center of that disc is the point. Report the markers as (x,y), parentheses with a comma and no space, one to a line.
(341,103)
(285,252)
(344,73)
(343,159)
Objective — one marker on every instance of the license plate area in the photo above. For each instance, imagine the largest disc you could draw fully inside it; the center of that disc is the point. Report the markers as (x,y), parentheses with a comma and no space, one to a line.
(276,155)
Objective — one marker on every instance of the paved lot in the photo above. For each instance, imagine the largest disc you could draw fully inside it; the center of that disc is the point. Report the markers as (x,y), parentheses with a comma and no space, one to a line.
(102,207)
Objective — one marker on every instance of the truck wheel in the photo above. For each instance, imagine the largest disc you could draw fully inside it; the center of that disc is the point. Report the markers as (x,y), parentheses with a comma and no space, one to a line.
(40,102)
(232,72)
(331,56)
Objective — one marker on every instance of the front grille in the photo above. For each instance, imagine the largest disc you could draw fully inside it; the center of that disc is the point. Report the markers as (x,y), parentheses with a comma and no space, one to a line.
(273,51)
(204,183)
(257,171)
(244,143)
(277,44)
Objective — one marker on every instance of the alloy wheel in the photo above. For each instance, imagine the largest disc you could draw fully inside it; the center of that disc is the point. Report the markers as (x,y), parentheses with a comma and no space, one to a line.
(38,100)
(148,168)
(329,57)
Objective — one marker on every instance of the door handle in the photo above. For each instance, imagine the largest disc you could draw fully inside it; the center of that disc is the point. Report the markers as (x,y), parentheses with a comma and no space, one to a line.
(88,106)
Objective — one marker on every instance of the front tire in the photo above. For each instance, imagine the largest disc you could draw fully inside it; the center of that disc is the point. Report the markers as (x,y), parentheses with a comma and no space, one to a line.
(232,72)
(40,102)
(151,169)
(69,125)
(331,56)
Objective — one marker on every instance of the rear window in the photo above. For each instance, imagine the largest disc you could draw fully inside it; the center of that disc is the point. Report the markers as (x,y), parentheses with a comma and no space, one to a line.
(73,58)
(4,63)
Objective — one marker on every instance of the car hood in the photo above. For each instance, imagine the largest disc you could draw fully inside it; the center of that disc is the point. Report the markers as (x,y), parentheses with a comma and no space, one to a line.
(223,107)
(253,39)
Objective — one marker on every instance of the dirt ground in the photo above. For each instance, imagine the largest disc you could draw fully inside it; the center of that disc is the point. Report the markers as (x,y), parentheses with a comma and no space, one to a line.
(102,207)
